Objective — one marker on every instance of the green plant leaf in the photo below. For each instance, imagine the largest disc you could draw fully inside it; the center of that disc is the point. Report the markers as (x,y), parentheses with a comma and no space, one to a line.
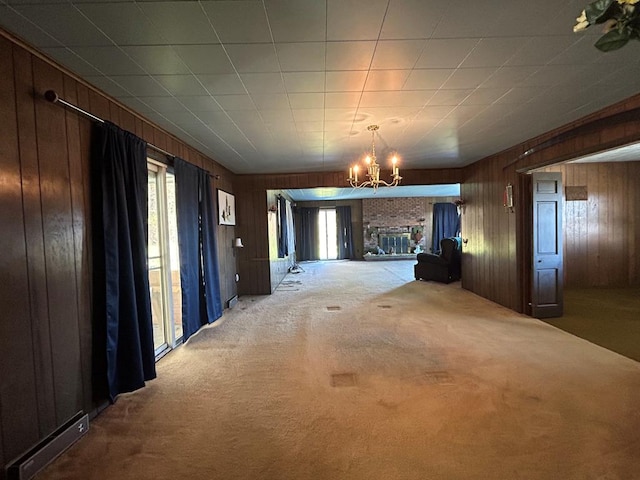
(597,11)
(612,40)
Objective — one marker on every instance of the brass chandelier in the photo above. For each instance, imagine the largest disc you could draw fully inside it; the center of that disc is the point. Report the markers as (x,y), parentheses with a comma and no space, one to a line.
(373,168)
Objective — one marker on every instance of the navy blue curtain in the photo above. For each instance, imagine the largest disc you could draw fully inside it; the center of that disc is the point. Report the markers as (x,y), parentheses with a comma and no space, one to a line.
(199,275)
(283,249)
(446,223)
(308,239)
(345,233)
(123,330)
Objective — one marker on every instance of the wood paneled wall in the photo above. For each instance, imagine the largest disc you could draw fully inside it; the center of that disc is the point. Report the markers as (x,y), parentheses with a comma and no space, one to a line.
(494,263)
(45,246)
(602,233)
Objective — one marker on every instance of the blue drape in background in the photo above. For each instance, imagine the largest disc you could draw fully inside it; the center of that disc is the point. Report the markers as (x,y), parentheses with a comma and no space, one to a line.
(446,223)
(308,240)
(345,234)
(199,275)
(283,249)
(122,303)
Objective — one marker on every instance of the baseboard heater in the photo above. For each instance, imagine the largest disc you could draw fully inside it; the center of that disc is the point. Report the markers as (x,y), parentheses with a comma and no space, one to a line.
(232,302)
(48,449)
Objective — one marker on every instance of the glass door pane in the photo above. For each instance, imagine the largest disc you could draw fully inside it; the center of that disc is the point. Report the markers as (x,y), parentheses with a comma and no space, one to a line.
(328,234)
(155,265)
(174,256)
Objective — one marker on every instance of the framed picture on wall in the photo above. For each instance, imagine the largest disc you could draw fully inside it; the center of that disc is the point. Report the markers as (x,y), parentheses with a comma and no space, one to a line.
(226,208)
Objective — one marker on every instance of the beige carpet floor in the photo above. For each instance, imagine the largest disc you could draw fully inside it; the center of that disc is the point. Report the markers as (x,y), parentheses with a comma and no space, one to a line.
(353,370)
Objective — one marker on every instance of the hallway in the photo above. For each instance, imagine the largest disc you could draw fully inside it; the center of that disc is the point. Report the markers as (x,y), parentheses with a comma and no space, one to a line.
(353,370)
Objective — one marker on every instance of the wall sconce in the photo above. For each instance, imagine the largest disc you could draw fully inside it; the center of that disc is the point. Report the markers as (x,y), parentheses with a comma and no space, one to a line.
(237,243)
(460,206)
(508,197)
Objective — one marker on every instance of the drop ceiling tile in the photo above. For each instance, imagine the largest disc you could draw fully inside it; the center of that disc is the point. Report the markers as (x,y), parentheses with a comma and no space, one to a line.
(349,55)
(239,21)
(485,96)
(124,25)
(541,50)
(306,100)
(277,116)
(520,95)
(199,103)
(395,99)
(257,83)
(235,102)
(309,126)
(449,97)
(213,117)
(205,58)
(467,19)
(224,84)
(493,52)
(301,57)
(445,53)
(162,104)
(308,115)
(509,76)
(253,58)
(161,60)
(185,85)
(397,54)
(56,19)
(109,60)
(297,20)
(428,79)
(70,60)
(354,19)
(345,81)
(550,75)
(141,85)
(412,19)
(15,22)
(342,99)
(108,86)
(245,117)
(166,15)
(304,82)
(468,77)
(271,101)
(339,114)
(386,80)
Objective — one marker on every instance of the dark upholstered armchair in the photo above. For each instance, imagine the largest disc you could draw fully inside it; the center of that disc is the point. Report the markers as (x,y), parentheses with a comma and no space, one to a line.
(444,267)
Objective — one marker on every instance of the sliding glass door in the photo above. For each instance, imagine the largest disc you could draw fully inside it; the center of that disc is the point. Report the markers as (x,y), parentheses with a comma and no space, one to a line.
(328,234)
(164,261)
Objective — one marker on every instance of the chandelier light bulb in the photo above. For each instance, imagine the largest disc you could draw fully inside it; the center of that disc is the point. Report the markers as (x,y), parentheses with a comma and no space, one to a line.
(373,168)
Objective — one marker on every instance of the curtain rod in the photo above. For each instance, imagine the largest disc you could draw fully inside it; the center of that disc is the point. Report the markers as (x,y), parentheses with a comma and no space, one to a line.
(53,97)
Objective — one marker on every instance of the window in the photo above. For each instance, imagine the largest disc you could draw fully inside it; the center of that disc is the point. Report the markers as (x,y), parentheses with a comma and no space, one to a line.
(164,260)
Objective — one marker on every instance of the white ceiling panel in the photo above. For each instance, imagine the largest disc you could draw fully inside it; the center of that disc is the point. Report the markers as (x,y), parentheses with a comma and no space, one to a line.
(172,19)
(239,21)
(291,85)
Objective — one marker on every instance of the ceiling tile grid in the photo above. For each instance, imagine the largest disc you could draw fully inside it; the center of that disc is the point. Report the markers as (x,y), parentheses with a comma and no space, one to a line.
(291,85)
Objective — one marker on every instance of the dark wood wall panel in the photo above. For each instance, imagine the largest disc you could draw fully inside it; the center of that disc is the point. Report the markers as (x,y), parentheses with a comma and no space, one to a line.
(57,217)
(39,311)
(45,250)
(600,232)
(17,376)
